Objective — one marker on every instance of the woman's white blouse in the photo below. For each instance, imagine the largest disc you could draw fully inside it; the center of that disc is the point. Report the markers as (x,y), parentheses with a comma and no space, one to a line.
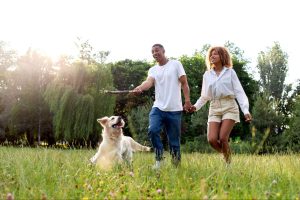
(222,86)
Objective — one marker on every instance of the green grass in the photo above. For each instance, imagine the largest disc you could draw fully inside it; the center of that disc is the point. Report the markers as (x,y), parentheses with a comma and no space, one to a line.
(65,174)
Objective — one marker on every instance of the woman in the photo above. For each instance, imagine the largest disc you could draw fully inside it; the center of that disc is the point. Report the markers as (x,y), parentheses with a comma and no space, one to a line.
(221,87)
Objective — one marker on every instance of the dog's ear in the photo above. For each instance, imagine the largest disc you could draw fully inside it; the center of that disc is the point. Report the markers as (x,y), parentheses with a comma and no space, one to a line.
(102,120)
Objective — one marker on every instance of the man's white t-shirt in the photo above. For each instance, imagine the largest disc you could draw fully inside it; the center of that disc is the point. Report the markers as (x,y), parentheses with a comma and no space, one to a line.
(167,85)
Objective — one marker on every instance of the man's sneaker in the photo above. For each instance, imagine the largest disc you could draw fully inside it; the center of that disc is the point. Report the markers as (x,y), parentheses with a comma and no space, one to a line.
(157,165)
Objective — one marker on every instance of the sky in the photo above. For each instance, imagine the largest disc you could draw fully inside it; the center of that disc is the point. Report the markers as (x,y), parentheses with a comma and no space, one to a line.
(129,28)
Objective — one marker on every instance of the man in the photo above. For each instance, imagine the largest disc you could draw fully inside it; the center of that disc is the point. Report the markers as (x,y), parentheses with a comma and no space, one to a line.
(168,78)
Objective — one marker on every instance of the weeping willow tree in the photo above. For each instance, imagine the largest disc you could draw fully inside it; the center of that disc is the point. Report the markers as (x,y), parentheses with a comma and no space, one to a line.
(75,101)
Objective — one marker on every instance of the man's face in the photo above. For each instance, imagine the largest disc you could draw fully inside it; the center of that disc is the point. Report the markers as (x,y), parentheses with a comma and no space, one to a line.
(158,53)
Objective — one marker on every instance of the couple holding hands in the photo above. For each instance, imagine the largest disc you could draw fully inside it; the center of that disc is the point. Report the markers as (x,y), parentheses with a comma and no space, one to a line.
(220,86)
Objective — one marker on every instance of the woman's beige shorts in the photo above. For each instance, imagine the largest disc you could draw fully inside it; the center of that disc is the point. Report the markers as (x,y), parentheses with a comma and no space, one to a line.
(221,109)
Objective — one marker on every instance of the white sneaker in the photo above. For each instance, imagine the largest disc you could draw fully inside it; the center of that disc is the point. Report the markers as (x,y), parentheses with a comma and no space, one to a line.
(157,165)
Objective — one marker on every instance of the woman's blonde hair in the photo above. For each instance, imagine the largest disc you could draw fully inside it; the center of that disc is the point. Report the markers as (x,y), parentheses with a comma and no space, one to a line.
(224,57)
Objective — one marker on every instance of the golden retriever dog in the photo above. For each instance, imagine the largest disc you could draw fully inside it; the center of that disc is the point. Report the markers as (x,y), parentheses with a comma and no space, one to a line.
(115,148)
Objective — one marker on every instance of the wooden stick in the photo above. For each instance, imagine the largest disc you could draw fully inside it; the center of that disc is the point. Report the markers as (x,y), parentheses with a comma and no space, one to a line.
(117,91)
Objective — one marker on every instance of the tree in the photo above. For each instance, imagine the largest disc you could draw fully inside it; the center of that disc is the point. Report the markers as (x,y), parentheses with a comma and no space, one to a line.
(265,121)
(128,74)
(8,59)
(30,114)
(272,66)
(87,53)
(75,98)
(291,137)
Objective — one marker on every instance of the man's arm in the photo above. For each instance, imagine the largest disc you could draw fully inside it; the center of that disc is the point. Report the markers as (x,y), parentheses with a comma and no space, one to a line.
(146,85)
(186,92)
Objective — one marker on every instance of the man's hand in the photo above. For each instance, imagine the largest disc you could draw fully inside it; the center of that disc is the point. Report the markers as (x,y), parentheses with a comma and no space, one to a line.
(187,106)
(137,90)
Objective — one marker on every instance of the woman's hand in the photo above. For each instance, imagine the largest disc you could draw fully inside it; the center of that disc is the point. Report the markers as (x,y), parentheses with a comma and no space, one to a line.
(192,109)
(248,118)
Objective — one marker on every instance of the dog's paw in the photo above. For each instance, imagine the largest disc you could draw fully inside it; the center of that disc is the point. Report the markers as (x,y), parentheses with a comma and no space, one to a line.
(92,161)
(148,148)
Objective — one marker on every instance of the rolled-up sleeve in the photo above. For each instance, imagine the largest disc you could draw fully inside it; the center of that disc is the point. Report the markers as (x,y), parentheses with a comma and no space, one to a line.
(240,93)
(203,98)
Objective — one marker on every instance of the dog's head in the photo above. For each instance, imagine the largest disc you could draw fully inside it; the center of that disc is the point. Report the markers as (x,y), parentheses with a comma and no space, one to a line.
(113,122)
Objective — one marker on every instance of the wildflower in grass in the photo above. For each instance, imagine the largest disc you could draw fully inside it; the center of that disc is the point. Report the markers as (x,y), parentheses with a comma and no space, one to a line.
(274,182)
(159,191)
(101,183)
(131,174)
(278,194)
(44,197)
(10,196)
(85,198)
(112,194)
(89,187)
(205,197)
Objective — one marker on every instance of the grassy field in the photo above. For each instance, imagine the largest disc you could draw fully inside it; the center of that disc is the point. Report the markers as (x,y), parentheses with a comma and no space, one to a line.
(65,174)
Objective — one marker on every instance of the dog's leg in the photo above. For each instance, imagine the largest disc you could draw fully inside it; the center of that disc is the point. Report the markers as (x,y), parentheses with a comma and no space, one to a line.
(93,159)
(138,147)
(127,157)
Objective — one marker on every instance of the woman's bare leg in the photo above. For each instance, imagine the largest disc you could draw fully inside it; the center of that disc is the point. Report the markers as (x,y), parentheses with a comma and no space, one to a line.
(225,130)
(213,135)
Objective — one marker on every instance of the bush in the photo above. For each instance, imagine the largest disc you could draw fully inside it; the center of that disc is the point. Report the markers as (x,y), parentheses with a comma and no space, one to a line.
(138,123)
(238,146)
(197,144)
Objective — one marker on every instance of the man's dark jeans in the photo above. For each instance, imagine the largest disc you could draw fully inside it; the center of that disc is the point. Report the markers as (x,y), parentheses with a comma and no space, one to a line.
(171,121)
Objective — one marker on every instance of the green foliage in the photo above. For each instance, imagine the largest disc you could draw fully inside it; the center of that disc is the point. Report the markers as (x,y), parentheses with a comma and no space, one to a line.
(272,66)
(197,144)
(198,124)
(265,117)
(65,117)
(236,52)
(75,101)
(138,122)
(194,68)
(128,74)
(291,137)
(84,115)
(52,95)
(87,52)
(30,114)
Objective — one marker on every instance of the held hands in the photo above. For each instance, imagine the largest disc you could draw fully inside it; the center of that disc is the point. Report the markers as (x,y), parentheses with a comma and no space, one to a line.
(192,109)
(187,106)
(248,118)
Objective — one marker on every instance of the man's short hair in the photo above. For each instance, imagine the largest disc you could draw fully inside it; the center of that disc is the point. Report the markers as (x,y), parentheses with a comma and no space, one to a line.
(158,45)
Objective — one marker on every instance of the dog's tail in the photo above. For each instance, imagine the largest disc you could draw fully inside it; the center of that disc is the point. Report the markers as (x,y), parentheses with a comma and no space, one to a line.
(138,147)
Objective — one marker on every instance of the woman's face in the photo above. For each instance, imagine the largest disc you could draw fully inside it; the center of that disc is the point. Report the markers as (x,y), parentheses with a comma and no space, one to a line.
(214,58)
